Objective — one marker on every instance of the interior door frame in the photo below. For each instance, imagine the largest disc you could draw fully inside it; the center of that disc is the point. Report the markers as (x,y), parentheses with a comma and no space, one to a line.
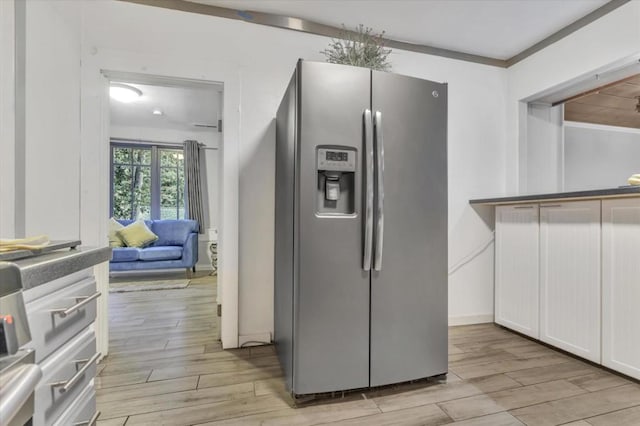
(95,160)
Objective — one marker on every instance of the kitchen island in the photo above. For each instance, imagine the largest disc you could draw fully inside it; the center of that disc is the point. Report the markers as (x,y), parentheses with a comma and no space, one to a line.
(567,271)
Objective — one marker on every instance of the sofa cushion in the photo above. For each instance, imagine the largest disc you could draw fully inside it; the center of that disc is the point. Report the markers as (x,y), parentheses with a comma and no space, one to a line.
(173,232)
(137,234)
(114,240)
(161,253)
(125,254)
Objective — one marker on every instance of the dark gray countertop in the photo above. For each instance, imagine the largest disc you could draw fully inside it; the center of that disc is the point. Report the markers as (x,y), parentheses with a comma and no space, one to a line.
(621,192)
(44,268)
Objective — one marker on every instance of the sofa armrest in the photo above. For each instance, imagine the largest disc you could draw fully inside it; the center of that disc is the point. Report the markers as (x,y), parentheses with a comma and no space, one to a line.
(190,250)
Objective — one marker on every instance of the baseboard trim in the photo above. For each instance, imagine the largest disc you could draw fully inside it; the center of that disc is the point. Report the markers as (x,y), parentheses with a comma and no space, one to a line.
(470,319)
(204,267)
(254,339)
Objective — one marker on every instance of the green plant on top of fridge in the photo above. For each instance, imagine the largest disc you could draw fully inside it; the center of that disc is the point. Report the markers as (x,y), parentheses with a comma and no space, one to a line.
(360,48)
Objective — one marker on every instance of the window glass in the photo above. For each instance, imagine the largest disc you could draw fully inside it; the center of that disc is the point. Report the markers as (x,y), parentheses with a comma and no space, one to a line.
(136,191)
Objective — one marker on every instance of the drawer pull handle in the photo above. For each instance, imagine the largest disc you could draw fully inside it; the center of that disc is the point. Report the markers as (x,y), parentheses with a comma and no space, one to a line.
(65,386)
(81,302)
(550,206)
(524,207)
(90,422)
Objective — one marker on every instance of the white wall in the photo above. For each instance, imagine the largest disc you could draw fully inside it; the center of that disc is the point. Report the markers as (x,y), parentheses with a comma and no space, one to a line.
(543,173)
(263,59)
(52,84)
(255,63)
(476,149)
(608,40)
(598,156)
(211,140)
(7,119)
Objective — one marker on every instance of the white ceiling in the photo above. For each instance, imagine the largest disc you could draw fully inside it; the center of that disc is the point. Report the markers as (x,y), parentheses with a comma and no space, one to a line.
(494,28)
(182,106)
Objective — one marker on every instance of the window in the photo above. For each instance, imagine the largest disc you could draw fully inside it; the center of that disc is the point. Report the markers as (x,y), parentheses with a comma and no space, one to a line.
(147,181)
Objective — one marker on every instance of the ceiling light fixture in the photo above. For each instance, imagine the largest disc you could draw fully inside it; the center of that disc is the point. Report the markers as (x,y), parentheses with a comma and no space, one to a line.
(157,111)
(124,92)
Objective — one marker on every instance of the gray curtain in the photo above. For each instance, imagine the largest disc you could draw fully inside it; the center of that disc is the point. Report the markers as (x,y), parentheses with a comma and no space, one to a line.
(195,207)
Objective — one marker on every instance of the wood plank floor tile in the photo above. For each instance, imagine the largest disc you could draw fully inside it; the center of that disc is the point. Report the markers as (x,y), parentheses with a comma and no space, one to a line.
(547,373)
(454,350)
(245,375)
(171,362)
(505,366)
(494,402)
(271,386)
(112,422)
(146,389)
(499,419)
(211,367)
(580,407)
(151,355)
(433,394)
(103,382)
(599,381)
(210,412)
(424,415)
(165,368)
(473,358)
(176,400)
(333,412)
(626,417)
(502,343)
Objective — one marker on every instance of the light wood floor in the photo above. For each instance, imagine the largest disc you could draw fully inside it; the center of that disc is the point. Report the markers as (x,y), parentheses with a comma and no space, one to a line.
(164,368)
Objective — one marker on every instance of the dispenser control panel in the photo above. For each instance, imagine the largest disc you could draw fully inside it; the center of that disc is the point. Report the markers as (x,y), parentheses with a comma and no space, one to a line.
(339,160)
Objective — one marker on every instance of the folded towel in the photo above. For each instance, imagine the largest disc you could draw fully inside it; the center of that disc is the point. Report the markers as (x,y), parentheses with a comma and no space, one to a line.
(30,243)
(634,180)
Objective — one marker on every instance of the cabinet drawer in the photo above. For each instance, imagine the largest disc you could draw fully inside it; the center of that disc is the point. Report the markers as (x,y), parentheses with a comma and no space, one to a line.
(50,327)
(64,377)
(82,412)
(52,286)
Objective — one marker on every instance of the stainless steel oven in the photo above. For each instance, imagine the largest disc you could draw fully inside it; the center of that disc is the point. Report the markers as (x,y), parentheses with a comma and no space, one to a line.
(19,374)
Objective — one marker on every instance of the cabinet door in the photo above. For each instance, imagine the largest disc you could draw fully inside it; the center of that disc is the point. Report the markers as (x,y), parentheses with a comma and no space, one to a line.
(517,265)
(570,277)
(621,285)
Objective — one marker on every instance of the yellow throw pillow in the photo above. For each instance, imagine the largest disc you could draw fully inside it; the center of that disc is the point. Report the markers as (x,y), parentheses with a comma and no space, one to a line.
(137,234)
(114,239)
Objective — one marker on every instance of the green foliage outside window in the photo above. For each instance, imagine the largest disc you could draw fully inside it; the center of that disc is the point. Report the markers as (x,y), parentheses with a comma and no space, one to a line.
(171,184)
(133,189)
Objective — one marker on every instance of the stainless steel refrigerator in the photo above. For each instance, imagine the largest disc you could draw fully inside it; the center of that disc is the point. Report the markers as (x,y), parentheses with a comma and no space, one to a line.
(360,229)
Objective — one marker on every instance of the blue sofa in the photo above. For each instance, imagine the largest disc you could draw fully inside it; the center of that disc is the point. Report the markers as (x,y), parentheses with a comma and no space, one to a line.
(176,247)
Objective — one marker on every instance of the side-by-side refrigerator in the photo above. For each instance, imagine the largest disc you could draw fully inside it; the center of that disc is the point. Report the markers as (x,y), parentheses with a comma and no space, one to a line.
(361,229)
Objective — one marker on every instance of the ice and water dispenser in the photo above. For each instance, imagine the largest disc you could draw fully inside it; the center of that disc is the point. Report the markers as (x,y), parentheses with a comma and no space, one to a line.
(336,168)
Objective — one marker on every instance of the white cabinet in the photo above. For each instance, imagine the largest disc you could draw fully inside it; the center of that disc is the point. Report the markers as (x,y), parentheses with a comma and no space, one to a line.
(517,265)
(621,285)
(570,277)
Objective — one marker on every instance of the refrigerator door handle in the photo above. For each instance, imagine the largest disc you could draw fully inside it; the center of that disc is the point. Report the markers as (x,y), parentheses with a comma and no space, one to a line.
(368,215)
(379,231)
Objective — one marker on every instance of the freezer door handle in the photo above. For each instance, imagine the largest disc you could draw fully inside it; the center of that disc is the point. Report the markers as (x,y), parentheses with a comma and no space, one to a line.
(368,214)
(379,230)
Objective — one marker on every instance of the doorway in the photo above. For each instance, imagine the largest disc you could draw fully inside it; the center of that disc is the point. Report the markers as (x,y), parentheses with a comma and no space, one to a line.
(149,119)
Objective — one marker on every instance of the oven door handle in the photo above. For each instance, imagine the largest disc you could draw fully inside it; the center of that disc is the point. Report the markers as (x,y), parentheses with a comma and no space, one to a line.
(16,389)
